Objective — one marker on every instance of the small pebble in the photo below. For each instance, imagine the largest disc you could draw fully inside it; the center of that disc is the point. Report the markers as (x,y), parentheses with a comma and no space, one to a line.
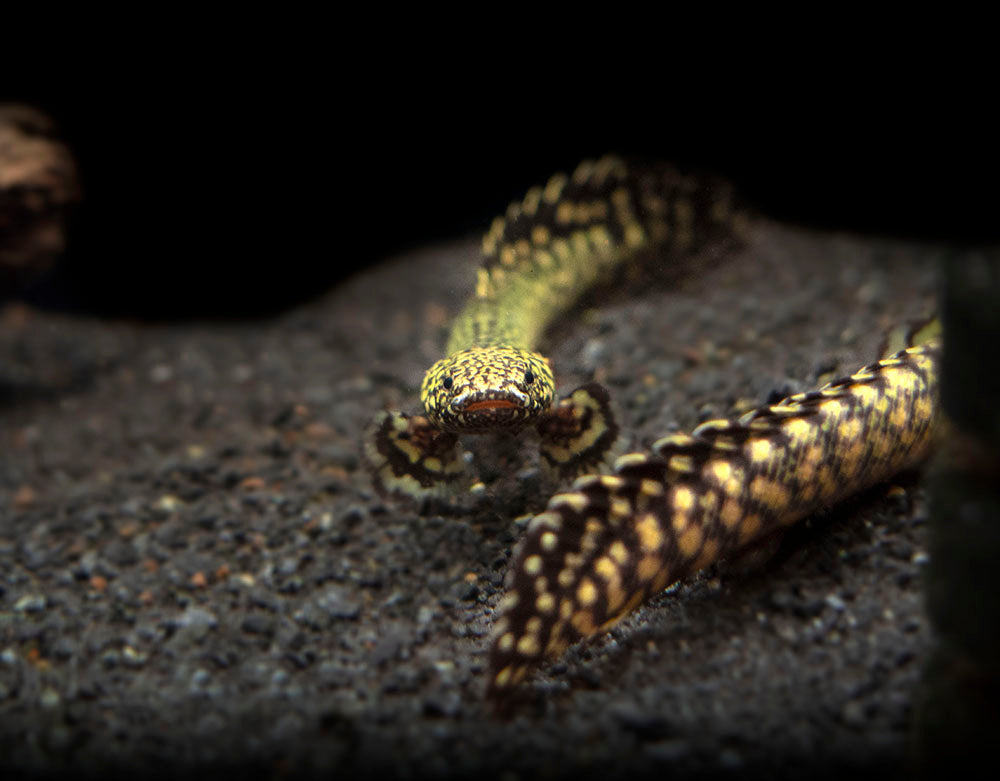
(30,603)
(49,698)
(133,658)
(197,617)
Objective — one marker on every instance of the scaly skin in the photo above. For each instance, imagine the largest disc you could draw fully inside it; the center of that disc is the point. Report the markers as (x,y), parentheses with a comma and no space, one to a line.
(612,542)
(549,249)
(559,242)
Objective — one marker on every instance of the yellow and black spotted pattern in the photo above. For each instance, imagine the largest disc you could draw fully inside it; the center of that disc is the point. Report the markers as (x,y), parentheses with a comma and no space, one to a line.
(607,545)
(559,242)
(538,260)
(565,237)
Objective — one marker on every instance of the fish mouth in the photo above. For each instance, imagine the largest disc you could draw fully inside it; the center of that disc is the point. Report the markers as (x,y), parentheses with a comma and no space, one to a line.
(487,411)
(490,404)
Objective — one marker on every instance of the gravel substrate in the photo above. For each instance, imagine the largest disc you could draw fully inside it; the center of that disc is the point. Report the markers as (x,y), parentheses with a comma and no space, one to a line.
(195,570)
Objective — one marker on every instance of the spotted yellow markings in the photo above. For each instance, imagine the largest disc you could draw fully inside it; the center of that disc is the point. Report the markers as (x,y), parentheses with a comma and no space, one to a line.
(683,499)
(761,451)
(681,463)
(720,470)
(607,544)
(770,493)
(754,477)
(732,513)
(586,592)
(708,501)
(611,482)
(533,565)
(650,532)
(799,430)
(620,508)
(630,459)
(528,645)
(650,487)
(606,568)
(690,541)
(865,394)
(576,501)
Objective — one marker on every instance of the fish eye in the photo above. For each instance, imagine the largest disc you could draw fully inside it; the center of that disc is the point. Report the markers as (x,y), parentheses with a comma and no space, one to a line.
(447,382)
(529,377)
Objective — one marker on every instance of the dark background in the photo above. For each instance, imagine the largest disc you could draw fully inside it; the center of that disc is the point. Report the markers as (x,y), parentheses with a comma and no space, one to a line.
(225,196)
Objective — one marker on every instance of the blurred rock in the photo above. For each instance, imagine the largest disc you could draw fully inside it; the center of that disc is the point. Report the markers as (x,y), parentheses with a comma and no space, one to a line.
(39,185)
